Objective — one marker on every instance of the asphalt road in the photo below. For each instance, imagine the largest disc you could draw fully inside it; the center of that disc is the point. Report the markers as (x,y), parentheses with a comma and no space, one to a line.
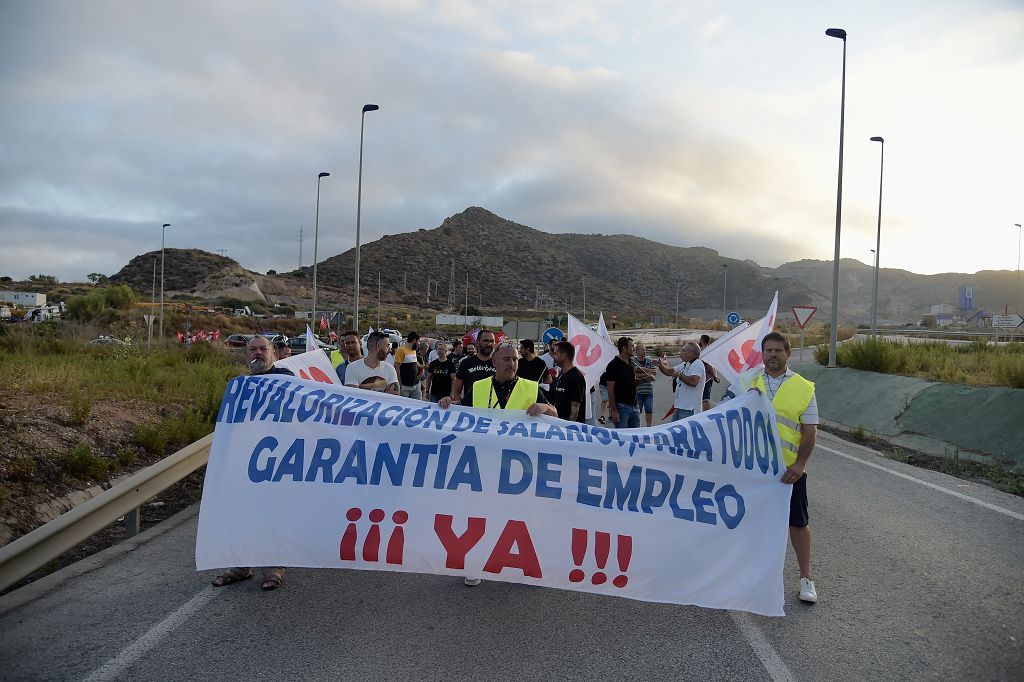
(919,575)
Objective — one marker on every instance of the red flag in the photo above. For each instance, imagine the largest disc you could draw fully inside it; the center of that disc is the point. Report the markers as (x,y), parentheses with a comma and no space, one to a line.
(333,336)
(181,338)
(323,323)
(216,335)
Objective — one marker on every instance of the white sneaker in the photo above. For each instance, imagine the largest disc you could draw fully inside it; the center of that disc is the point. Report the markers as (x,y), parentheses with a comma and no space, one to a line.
(473,582)
(807,591)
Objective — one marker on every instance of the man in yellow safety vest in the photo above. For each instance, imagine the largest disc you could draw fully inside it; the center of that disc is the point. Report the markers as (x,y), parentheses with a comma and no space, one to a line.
(796,412)
(505,391)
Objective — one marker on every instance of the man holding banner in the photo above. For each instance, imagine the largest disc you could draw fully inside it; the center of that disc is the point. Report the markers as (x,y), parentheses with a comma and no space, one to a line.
(260,356)
(796,412)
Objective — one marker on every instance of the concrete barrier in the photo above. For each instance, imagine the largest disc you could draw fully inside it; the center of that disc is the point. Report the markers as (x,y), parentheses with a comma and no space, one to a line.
(985,424)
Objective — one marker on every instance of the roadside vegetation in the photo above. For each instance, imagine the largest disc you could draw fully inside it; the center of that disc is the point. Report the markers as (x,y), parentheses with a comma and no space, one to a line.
(74,413)
(978,363)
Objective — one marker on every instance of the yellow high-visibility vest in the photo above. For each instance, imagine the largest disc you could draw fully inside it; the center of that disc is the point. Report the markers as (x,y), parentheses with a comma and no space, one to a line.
(524,394)
(337,357)
(789,402)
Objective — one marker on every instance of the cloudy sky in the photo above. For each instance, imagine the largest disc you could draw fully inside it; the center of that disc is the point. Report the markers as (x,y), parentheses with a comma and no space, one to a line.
(690,122)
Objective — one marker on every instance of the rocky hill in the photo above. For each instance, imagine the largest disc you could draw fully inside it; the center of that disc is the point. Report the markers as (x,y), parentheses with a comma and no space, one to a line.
(514,267)
(509,265)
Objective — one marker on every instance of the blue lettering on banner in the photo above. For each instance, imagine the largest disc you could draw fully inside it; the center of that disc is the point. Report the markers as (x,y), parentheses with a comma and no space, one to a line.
(522,461)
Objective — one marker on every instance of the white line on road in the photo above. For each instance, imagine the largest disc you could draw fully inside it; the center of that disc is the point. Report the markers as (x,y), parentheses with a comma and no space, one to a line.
(980,503)
(113,668)
(763,649)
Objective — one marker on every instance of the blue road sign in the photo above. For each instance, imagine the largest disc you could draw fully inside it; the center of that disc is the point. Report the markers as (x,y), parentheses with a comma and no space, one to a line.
(552,333)
(733,318)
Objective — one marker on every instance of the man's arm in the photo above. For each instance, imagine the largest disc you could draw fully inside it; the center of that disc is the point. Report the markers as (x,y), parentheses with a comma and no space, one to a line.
(426,383)
(456,394)
(808,438)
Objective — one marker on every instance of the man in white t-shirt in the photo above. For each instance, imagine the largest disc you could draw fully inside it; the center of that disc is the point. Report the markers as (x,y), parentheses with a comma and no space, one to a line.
(689,375)
(372,372)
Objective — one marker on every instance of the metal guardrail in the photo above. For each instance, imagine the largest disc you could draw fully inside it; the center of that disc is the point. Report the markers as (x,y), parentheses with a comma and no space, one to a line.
(32,551)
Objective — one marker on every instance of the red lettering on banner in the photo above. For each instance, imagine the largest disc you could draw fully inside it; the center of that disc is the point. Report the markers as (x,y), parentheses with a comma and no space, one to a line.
(371,545)
(585,355)
(515,534)
(602,549)
(458,546)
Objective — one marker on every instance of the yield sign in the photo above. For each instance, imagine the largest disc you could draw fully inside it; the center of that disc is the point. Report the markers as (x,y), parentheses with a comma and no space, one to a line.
(803,313)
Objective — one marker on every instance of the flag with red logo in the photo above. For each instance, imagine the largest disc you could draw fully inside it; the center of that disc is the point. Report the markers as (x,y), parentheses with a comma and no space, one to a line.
(740,349)
(593,353)
(323,323)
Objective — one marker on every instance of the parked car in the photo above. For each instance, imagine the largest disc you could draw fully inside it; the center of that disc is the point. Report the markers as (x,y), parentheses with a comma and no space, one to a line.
(237,340)
(107,340)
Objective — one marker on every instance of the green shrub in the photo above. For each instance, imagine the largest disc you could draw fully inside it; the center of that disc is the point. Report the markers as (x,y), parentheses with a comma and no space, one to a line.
(79,409)
(821,354)
(151,437)
(858,433)
(126,457)
(83,463)
(22,469)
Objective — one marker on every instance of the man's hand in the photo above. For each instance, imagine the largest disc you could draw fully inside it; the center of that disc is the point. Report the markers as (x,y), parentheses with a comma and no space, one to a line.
(445,402)
(538,409)
(793,473)
(615,416)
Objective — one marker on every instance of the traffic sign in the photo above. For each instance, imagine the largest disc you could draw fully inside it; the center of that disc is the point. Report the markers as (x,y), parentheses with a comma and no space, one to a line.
(803,314)
(1010,321)
(149,319)
(552,334)
(733,318)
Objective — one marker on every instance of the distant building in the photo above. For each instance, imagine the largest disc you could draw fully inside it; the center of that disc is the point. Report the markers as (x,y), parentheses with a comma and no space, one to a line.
(23,299)
(942,309)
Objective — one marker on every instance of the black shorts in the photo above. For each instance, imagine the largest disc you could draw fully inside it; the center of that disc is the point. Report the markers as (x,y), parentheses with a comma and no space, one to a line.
(707,389)
(798,516)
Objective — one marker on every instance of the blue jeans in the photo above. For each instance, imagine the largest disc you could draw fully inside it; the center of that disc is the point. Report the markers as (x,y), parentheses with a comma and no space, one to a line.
(629,417)
(681,414)
(645,402)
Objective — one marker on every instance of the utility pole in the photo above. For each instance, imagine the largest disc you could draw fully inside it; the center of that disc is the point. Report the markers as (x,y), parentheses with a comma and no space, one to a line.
(300,247)
(428,288)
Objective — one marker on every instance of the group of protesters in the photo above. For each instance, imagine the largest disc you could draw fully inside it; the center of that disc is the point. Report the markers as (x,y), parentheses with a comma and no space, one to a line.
(489,376)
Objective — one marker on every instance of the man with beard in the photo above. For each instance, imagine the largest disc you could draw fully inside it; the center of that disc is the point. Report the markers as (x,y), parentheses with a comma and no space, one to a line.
(796,412)
(260,356)
(569,389)
(472,369)
(374,373)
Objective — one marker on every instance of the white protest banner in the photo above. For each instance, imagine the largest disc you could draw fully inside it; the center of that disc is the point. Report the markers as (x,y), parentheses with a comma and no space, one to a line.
(593,353)
(741,348)
(312,365)
(306,474)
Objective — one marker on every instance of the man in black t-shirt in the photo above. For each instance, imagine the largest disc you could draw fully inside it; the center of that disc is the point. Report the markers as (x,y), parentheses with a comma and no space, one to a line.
(622,387)
(439,374)
(473,368)
(569,390)
(530,366)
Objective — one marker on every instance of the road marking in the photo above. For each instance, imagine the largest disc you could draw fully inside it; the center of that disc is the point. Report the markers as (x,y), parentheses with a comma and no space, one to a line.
(114,668)
(763,649)
(980,503)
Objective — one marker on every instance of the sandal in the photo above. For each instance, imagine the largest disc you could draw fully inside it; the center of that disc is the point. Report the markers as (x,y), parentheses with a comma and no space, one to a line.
(273,579)
(235,575)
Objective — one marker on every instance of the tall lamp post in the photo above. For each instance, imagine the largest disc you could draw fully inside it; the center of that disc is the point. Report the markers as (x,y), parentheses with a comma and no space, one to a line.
(316,242)
(378,299)
(834,335)
(678,282)
(725,290)
(163,230)
(878,237)
(1016,306)
(359,211)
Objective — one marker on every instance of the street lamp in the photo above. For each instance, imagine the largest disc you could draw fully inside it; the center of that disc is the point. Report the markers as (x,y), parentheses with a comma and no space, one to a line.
(316,241)
(378,299)
(1017,225)
(163,230)
(359,210)
(834,335)
(878,238)
(725,289)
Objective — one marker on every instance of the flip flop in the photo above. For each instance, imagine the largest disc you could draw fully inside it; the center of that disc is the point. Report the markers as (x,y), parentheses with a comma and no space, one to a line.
(235,575)
(272,580)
